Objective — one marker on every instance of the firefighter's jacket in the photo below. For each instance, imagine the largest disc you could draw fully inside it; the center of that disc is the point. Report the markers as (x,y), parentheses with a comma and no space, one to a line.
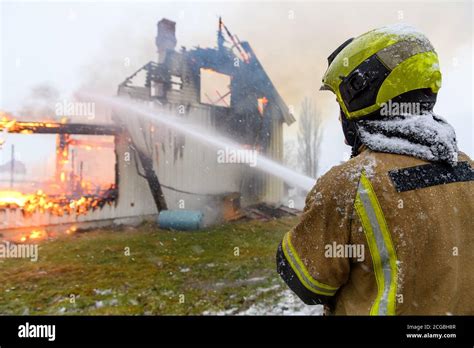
(386,234)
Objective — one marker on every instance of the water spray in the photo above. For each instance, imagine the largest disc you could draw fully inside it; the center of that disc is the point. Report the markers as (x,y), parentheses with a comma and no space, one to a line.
(205,136)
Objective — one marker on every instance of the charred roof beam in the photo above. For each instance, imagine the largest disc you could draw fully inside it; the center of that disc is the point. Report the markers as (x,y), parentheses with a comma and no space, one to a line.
(59,128)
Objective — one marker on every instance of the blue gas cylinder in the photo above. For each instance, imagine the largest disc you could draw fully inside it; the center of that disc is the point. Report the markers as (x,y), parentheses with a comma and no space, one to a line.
(182,220)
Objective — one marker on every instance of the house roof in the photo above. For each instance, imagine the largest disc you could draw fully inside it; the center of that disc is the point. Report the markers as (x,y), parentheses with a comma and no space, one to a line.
(270,87)
(249,78)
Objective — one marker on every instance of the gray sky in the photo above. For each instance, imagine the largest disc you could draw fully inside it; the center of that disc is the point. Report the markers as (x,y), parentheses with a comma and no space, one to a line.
(96,44)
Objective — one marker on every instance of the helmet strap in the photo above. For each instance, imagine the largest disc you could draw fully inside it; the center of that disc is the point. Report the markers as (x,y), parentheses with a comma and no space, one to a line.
(351,133)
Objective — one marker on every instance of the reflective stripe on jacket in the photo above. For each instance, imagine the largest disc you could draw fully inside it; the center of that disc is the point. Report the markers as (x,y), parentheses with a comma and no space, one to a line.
(386,234)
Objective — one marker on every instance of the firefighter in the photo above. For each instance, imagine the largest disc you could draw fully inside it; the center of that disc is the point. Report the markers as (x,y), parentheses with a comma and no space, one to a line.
(391,231)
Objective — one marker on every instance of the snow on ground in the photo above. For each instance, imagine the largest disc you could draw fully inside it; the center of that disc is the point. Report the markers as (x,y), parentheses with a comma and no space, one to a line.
(287,304)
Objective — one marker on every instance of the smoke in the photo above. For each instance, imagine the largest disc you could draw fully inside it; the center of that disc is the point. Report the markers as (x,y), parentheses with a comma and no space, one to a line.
(39,104)
(93,47)
(292,41)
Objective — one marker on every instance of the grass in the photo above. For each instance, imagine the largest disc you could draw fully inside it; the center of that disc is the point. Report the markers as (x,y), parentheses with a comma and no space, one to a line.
(165,272)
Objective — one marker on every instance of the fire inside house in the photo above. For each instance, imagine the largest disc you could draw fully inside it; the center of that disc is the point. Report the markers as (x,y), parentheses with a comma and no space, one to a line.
(156,168)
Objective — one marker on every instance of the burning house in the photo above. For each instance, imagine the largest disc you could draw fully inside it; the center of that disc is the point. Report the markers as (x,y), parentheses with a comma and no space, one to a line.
(223,88)
(69,195)
(157,168)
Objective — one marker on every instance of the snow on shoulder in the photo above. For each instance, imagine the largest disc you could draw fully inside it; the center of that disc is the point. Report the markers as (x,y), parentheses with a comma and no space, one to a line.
(427,136)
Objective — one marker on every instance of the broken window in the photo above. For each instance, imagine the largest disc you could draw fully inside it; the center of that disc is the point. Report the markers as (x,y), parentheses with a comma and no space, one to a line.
(157,89)
(215,88)
(176,83)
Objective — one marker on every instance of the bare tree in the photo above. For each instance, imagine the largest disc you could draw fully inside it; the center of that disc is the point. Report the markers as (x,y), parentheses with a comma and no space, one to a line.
(290,155)
(309,137)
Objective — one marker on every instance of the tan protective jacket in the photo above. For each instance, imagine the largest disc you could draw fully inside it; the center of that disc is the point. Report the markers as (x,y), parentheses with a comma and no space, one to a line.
(389,234)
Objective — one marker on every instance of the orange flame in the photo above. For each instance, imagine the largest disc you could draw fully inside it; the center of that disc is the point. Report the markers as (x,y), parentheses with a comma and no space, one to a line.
(58,205)
(71,230)
(77,198)
(261,104)
(34,235)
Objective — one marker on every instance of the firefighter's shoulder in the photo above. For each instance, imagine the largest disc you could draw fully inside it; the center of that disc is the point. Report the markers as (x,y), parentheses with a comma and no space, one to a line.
(340,182)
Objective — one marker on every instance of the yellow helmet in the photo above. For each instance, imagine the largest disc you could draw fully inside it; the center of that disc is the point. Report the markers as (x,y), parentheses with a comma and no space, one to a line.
(382,64)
